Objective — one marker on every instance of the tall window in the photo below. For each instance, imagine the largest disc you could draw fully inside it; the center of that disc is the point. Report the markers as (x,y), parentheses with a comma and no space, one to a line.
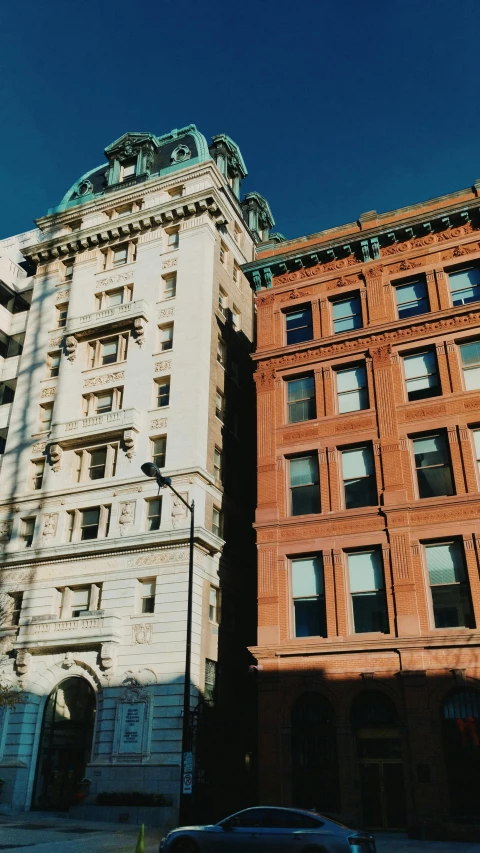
(68,268)
(465,285)
(96,463)
(53,363)
(217,522)
(218,466)
(46,413)
(80,601)
(309,597)
(159,450)
(154,514)
(347,314)
(120,256)
(26,532)
(89,523)
(304,485)
(421,375)
(470,355)
(301,399)
(166,337)
(128,170)
(367,589)
(214,605)
(170,286)
(299,326)
(432,462)
(37,471)
(222,302)
(412,299)
(147,596)
(352,392)
(449,586)
(107,351)
(61,315)
(359,477)
(221,352)
(163,393)
(173,239)
(7,391)
(476,439)
(220,406)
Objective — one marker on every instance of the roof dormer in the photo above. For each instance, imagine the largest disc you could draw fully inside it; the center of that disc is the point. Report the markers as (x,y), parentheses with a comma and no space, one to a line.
(130,158)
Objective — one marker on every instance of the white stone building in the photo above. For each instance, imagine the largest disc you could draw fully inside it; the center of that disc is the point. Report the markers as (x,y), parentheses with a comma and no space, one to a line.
(136,347)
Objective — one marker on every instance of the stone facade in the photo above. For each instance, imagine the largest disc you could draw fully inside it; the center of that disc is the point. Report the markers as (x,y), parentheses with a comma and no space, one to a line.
(375,720)
(140,319)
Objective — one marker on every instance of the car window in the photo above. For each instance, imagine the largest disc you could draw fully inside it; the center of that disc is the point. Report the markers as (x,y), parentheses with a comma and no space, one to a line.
(250,817)
(287,819)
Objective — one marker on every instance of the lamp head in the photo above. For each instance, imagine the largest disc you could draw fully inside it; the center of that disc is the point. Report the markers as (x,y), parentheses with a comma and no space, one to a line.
(150,469)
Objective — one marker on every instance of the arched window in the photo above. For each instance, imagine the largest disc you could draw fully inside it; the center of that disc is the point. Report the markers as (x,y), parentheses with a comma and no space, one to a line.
(461,741)
(314,754)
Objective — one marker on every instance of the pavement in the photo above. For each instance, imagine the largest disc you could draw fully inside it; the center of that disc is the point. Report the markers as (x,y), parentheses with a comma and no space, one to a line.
(39,833)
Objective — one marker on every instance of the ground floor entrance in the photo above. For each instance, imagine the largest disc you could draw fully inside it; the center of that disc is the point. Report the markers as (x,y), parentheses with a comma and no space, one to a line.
(65,745)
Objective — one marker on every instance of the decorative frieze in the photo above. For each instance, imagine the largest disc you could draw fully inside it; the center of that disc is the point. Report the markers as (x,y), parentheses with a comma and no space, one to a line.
(164,313)
(48,392)
(160,366)
(158,423)
(142,634)
(158,558)
(104,379)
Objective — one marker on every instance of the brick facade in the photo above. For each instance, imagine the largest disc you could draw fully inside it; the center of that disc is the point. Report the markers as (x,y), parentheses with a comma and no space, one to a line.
(422,668)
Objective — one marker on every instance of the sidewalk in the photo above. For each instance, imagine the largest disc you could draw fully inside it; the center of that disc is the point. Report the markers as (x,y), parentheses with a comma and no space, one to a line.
(46,833)
(395,842)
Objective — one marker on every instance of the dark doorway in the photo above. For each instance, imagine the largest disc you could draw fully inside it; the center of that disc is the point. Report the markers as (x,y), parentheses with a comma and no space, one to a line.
(461,739)
(379,752)
(65,745)
(314,754)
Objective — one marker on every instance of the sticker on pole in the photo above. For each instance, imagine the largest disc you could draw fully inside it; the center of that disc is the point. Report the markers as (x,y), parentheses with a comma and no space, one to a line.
(187,783)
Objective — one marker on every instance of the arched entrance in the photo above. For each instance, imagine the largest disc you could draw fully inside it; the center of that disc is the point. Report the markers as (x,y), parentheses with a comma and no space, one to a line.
(65,744)
(314,754)
(379,752)
(461,741)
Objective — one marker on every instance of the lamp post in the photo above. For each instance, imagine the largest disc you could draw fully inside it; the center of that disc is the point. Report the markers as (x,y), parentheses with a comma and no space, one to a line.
(186,772)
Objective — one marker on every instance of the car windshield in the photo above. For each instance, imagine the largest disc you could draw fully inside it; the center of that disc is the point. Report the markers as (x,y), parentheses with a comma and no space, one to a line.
(271,817)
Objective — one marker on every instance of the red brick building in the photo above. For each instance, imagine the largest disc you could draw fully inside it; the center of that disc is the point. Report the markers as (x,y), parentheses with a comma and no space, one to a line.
(368,519)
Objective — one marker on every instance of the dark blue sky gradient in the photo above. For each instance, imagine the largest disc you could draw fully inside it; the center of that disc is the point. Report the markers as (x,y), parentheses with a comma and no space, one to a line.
(338,106)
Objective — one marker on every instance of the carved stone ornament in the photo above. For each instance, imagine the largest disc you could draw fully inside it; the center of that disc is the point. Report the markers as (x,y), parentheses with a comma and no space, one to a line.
(50,522)
(139,330)
(105,379)
(172,262)
(166,312)
(5,530)
(381,355)
(7,606)
(22,662)
(40,447)
(129,437)
(47,392)
(142,634)
(269,299)
(68,660)
(127,517)
(56,453)
(6,645)
(178,511)
(158,423)
(108,657)
(180,153)
(162,365)
(55,342)
(71,344)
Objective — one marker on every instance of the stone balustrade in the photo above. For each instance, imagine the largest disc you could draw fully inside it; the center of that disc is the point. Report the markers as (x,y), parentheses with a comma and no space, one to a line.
(107,318)
(95,425)
(74,632)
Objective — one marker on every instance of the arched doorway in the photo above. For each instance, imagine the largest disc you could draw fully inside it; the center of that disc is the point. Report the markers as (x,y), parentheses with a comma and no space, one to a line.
(379,752)
(461,741)
(314,754)
(65,744)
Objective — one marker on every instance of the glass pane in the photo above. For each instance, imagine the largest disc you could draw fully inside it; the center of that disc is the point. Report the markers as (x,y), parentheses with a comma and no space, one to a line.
(80,597)
(420,365)
(148,588)
(462,297)
(470,353)
(445,563)
(105,402)
(302,411)
(357,462)
(114,299)
(360,492)
(310,618)
(370,612)
(300,389)
(299,318)
(109,348)
(353,401)
(412,308)
(430,451)
(410,292)
(307,577)
(347,323)
(464,278)
(303,471)
(433,482)
(365,571)
(90,516)
(98,457)
(423,383)
(305,500)
(476,438)
(351,380)
(345,308)
(472,378)
(452,607)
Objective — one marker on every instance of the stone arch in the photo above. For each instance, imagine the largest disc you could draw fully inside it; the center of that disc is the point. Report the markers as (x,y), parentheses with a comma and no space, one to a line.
(460,720)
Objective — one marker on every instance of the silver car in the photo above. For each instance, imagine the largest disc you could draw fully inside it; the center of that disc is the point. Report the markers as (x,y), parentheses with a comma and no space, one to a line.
(269,829)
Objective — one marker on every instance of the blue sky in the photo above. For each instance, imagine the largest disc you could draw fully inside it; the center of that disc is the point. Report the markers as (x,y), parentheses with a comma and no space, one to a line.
(338,106)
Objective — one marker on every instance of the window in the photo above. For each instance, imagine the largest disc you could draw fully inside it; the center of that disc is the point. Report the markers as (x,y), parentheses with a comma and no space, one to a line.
(147,596)
(159,450)
(154,513)
(421,375)
(107,351)
(449,586)
(3,440)
(176,192)
(367,589)
(68,268)
(91,523)
(27,530)
(210,681)
(128,170)
(304,485)
(220,406)
(218,466)
(352,390)
(53,363)
(359,477)
(465,285)
(37,470)
(222,303)
(236,319)
(11,345)
(96,463)
(115,297)
(79,601)
(170,286)
(46,413)
(104,401)
(236,270)
(119,255)
(301,399)
(432,462)
(173,239)
(166,337)
(221,352)
(61,312)
(476,439)
(111,298)
(214,605)
(347,315)
(470,355)
(412,299)
(217,522)
(7,391)
(12,609)
(299,326)
(223,253)
(163,393)
(309,597)
(76,601)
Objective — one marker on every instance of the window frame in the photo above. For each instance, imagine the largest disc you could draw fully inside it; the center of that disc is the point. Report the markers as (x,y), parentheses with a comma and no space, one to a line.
(411,354)
(163,382)
(320,598)
(348,587)
(307,308)
(50,368)
(94,350)
(167,285)
(403,283)
(75,526)
(350,448)
(432,434)
(218,465)
(90,401)
(306,455)
(45,424)
(173,239)
(425,545)
(218,522)
(475,264)
(355,295)
(61,314)
(23,535)
(165,342)
(142,582)
(360,388)
(222,302)
(221,352)
(83,467)
(214,604)
(220,410)
(148,515)
(102,297)
(460,344)
(160,464)
(36,480)
(289,404)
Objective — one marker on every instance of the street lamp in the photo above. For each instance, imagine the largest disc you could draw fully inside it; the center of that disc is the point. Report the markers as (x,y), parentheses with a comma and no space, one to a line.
(186,772)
